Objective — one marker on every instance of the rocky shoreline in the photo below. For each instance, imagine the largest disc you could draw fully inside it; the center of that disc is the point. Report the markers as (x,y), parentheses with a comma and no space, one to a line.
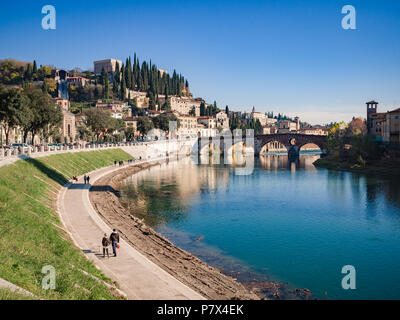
(187,268)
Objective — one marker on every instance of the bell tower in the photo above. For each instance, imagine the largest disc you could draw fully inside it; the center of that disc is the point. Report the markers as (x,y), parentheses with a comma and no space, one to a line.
(372,109)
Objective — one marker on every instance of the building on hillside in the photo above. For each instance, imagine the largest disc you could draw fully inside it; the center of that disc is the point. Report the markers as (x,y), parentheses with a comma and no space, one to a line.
(384,126)
(208,122)
(119,106)
(392,132)
(372,110)
(162,72)
(187,125)
(271,121)
(153,113)
(204,132)
(270,129)
(262,117)
(185,105)
(317,131)
(131,122)
(63,103)
(287,126)
(77,81)
(69,127)
(109,65)
(118,109)
(140,99)
(222,120)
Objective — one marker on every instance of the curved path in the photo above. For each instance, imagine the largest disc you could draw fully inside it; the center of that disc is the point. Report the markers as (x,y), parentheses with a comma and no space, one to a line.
(138,277)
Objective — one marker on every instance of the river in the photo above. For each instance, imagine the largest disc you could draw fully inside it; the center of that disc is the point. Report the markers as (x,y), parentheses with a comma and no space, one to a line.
(268,218)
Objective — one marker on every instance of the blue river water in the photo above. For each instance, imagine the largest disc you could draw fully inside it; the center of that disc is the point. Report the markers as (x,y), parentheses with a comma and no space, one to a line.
(291,222)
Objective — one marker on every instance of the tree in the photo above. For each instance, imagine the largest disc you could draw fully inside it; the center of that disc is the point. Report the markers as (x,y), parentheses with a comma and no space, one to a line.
(144,125)
(202,109)
(162,121)
(98,121)
(122,93)
(227,110)
(45,114)
(14,110)
(356,127)
(192,112)
(130,134)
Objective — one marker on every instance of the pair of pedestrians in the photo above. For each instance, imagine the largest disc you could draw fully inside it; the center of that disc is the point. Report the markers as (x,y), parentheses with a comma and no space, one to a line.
(114,240)
(86,179)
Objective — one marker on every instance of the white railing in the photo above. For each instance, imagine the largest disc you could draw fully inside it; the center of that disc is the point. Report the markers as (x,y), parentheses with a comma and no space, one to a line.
(34,150)
(15,152)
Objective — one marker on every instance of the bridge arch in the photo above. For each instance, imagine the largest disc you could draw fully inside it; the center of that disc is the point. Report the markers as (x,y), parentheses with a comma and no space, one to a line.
(273,146)
(292,141)
(211,147)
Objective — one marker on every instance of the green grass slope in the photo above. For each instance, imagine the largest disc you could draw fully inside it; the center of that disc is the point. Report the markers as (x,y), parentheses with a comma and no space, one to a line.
(31,234)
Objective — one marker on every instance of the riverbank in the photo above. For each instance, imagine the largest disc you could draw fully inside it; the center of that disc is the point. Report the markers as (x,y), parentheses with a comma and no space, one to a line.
(190,270)
(380,167)
(210,282)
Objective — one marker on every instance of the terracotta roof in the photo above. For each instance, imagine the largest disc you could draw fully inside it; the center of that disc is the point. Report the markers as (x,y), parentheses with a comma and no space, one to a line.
(395,110)
(130,118)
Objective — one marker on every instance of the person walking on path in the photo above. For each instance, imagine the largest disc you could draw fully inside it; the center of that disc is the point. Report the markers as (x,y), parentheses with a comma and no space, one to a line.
(105,242)
(114,238)
(88,179)
(85,179)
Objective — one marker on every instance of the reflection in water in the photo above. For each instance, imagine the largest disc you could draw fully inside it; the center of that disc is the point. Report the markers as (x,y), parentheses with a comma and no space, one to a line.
(278,218)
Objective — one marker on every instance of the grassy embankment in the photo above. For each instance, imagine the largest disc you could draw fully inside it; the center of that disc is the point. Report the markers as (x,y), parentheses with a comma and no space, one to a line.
(31,235)
(379,167)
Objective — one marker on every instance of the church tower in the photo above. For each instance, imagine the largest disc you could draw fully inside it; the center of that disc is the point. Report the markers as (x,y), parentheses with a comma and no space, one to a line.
(372,109)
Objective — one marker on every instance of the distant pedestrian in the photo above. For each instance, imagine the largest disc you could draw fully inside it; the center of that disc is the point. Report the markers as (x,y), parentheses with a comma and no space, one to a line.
(114,238)
(105,242)
(115,162)
(85,179)
(88,179)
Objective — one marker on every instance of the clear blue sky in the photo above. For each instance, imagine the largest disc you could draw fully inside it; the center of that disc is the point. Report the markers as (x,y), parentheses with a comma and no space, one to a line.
(287,56)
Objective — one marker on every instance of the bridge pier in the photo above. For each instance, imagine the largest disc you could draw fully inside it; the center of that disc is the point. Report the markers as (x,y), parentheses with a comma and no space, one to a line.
(293,151)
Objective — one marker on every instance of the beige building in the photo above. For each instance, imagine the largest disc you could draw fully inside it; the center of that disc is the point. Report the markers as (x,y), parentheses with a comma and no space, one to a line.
(187,125)
(269,129)
(185,105)
(69,127)
(286,126)
(384,126)
(118,109)
(63,103)
(77,81)
(262,117)
(222,120)
(318,131)
(139,98)
(208,122)
(392,131)
(109,65)
(131,122)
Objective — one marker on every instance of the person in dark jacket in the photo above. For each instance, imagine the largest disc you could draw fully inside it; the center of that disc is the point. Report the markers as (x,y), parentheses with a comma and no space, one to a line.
(114,238)
(105,242)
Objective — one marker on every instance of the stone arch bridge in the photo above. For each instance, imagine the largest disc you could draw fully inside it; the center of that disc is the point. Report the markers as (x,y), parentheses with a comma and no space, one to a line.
(292,141)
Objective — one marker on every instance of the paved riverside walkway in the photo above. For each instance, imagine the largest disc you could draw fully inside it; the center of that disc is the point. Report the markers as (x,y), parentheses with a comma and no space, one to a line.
(137,276)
